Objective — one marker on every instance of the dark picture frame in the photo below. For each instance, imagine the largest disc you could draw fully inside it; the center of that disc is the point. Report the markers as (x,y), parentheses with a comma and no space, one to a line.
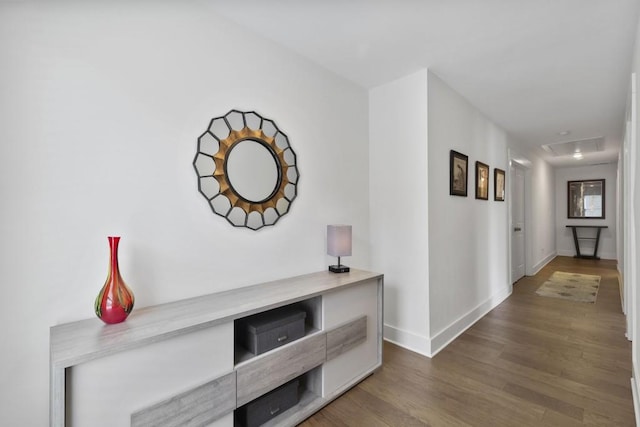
(498,185)
(586,199)
(458,173)
(482,181)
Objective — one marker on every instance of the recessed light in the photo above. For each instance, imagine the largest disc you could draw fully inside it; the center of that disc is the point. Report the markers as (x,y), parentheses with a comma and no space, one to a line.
(577,155)
(564,133)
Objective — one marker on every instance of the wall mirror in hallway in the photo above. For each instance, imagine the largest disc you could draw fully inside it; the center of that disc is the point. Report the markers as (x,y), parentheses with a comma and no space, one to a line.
(246,169)
(585,199)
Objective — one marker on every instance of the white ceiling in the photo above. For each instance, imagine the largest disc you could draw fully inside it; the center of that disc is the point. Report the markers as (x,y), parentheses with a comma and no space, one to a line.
(535,67)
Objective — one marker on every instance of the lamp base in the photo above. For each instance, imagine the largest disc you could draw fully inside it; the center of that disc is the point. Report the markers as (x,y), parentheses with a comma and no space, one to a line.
(338,269)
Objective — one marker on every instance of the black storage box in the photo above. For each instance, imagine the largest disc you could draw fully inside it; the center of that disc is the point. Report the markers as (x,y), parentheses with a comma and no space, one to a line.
(268,406)
(265,331)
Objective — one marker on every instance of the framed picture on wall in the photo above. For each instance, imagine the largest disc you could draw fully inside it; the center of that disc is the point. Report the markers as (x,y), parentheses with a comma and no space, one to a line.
(498,185)
(458,168)
(585,199)
(482,181)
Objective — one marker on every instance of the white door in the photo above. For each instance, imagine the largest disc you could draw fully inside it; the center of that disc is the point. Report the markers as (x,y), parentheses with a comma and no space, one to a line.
(517,223)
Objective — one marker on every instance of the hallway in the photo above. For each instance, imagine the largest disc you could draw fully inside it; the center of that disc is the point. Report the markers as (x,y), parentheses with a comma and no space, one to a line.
(531,361)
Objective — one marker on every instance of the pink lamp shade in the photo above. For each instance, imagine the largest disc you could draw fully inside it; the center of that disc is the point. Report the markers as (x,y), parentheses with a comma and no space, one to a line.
(339,244)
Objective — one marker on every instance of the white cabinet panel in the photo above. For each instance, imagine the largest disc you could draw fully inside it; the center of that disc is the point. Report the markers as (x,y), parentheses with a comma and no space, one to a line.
(344,306)
(106,391)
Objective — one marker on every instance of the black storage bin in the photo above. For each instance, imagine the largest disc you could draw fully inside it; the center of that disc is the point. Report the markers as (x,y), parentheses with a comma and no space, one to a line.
(268,406)
(265,331)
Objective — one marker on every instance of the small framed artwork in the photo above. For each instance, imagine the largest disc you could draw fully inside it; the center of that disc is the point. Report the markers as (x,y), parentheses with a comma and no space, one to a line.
(482,181)
(498,185)
(458,168)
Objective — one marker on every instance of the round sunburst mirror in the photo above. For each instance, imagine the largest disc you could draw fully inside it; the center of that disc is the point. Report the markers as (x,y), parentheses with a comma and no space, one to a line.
(246,169)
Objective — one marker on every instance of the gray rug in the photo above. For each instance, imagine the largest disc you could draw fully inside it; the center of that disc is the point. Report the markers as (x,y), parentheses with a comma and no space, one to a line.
(571,286)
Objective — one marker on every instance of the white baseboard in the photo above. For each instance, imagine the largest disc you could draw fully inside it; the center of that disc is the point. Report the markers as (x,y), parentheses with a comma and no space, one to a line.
(608,255)
(636,400)
(451,332)
(563,252)
(621,289)
(602,255)
(409,340)
(540,265)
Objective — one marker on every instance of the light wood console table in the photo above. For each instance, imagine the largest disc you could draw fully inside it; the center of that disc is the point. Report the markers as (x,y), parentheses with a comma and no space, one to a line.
(179,364)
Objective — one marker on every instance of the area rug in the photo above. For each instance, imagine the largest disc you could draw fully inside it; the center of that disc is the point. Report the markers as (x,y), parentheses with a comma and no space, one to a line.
(571,286)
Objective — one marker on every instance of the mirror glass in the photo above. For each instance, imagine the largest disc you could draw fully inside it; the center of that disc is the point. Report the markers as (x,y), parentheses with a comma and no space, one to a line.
(585,199)
(252,171)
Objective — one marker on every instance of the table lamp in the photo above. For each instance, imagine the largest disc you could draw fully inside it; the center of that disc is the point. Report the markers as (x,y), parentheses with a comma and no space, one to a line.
(339,244)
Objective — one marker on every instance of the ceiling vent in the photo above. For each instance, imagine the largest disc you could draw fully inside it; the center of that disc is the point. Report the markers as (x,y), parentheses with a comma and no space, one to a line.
(569,148)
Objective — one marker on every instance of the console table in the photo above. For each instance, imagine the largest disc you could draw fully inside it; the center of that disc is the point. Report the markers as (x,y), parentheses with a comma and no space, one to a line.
(180,364)
(576,239)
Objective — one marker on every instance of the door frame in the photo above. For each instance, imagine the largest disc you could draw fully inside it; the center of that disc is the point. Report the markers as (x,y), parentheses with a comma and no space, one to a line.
(630,255)
(518,160)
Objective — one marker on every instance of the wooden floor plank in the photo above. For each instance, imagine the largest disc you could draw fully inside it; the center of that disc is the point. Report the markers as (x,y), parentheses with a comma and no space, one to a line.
(532,361)
(556,405)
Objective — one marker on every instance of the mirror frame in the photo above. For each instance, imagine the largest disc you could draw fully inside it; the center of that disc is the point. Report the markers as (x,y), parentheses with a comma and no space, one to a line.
(570,197)
(210,163)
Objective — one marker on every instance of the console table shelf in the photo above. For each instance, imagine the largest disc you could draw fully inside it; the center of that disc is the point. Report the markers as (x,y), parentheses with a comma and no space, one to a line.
(576,239)
(191,327)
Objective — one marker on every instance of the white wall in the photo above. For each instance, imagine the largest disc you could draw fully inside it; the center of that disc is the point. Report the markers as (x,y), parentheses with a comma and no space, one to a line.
(632,224)
(564,238)
(101,106)
(620,219)
(399,211)
(468,267)
(542,207)
(444,257)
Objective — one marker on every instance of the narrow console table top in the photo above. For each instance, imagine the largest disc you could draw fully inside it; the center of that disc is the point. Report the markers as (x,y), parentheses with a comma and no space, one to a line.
(84,340)
(587,226)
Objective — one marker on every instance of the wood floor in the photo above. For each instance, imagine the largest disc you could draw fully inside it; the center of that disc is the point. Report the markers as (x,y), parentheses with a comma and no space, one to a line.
(532,361)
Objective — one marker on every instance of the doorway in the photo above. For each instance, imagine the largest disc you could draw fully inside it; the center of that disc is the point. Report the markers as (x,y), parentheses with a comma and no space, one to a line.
(517,226)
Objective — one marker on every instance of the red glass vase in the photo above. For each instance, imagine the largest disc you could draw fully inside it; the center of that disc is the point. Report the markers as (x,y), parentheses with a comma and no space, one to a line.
(115,300)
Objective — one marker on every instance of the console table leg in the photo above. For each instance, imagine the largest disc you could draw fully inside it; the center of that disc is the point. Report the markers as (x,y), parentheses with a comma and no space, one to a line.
(595,250)
(575,242)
